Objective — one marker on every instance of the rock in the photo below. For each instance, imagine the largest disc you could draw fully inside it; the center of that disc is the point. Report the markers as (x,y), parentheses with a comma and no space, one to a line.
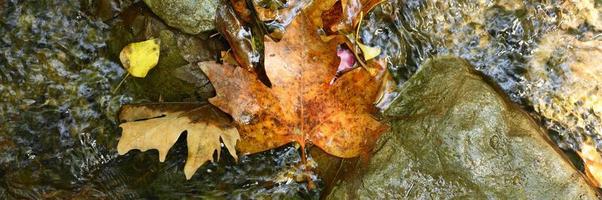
(565,77)
(192,74)
(454,135)
(189,16)
(177,50)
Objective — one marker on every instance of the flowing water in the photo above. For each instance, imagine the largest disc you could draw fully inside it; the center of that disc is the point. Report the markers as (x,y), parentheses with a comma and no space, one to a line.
(58,70)
(499,38)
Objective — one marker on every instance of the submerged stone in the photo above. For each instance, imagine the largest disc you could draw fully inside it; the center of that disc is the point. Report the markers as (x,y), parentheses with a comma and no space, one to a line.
(190,16)
(454,135)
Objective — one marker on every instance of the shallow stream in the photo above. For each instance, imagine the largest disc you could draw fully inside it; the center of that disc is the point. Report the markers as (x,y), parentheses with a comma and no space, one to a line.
(58,70)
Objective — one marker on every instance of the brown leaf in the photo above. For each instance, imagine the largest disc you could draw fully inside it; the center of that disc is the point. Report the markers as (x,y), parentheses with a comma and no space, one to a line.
(301,105)
(278,17)
(158,126)
(339,15)
(241,8)
(239,38)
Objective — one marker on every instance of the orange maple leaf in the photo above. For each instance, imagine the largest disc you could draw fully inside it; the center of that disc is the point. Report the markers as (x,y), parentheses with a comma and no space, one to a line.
(301,106)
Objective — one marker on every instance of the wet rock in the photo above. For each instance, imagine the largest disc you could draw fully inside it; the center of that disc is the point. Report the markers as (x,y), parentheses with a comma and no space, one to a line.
(192,74)
(190,16)
(177,49)
(198,49)
(566,87)
(454,135)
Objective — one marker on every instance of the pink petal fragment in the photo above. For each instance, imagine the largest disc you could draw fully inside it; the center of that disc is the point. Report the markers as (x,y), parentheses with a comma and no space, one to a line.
(347,62)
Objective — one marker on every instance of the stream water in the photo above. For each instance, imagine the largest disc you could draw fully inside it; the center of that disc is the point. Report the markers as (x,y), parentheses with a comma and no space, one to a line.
(58,127)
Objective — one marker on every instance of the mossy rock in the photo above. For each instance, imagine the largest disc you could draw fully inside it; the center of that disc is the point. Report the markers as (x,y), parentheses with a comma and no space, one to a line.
(455,136)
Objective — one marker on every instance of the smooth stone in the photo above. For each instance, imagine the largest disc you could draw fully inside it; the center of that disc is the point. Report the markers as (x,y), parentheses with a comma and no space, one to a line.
(189,16)
(454,135)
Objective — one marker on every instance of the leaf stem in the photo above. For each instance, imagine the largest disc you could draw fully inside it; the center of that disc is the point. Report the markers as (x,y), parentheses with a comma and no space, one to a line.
(121,83)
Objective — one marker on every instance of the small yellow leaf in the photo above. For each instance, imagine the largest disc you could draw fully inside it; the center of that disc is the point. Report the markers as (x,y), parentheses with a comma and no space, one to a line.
(592,162)
(368,51)
(140,57)
(158,126)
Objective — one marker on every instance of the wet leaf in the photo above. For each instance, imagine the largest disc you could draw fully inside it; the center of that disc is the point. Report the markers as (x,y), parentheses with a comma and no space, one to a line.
(387,93)
(158,126)
(239,38)
(278,15)
(301,106)
(140,57)
(592,163)
(368,52)
(242,10)
(339,16)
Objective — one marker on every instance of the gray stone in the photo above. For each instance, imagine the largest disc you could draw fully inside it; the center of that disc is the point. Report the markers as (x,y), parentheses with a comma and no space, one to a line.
(455,136)
(190,16)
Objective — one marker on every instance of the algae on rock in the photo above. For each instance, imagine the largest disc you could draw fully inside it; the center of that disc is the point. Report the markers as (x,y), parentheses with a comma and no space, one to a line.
(454,135)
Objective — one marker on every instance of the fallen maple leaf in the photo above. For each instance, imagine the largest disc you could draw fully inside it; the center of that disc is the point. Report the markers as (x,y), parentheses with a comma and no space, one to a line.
(158,126)
(301,106)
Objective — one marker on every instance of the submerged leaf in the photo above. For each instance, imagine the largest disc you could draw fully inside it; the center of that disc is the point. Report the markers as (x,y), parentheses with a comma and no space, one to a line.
(140,57)
(158,126)
(301,106)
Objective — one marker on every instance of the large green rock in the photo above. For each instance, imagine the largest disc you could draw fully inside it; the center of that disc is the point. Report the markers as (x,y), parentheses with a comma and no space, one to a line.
(454,136)
(190,16)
